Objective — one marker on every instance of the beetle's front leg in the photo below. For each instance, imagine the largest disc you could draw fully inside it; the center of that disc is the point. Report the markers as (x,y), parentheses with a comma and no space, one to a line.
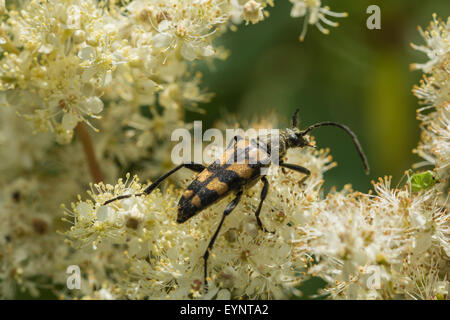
(297,168)
(196,167)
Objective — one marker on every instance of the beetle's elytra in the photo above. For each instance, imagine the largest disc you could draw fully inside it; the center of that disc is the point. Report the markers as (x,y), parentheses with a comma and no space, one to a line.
(239,168)
(222,177)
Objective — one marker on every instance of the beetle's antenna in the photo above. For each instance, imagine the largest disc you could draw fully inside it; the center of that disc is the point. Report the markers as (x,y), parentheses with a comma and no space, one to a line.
(350,132)
(294,118)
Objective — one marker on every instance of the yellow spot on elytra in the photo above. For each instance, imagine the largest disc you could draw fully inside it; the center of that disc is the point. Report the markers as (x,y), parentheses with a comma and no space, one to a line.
(204,175)
(196,201)
(242,170)
(218,186)
(188,193)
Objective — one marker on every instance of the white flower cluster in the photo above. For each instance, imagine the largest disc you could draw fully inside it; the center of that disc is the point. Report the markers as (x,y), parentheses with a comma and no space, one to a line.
(33,186)
(62,61)
(163,259)
(393,245)
(434,92)
(128,62)
(71,61)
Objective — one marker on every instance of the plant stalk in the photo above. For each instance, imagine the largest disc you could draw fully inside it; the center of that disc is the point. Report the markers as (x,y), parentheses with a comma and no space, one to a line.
(89,150)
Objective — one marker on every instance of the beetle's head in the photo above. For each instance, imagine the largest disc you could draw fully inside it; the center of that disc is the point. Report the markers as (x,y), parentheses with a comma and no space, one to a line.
(294,136)
(297,138)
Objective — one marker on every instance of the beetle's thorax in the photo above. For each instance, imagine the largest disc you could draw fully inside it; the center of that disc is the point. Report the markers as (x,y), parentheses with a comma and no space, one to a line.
(291,138)
(287,138)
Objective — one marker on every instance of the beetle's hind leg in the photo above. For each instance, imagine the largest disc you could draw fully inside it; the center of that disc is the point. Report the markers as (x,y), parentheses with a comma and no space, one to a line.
(230,207)
(196,167)
(297,168)
(264,191)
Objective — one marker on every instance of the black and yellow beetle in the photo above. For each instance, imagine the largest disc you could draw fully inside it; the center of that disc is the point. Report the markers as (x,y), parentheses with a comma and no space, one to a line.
(239,168)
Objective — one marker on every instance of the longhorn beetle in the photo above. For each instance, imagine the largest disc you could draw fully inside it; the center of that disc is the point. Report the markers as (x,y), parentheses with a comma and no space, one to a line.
(228,175)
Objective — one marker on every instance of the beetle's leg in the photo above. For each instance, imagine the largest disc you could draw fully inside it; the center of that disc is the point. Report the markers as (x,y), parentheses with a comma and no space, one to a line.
(226,212)
(235,149)
(196,167)
(192,166)
(235,141)
(264,191)
(298,169)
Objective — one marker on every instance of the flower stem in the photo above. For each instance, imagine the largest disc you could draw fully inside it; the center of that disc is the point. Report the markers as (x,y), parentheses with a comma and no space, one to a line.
(88,148)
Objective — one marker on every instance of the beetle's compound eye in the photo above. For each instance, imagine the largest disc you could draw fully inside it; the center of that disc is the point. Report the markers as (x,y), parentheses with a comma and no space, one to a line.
(302,141)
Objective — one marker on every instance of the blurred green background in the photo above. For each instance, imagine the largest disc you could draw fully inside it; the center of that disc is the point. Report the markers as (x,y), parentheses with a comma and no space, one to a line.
(355,76)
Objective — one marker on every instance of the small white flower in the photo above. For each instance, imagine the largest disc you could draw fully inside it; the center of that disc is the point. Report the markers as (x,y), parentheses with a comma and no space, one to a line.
(69,121)
(93,105)
(103,213)
(79,36)
(188,52)
(207,51)
(73,17)
(437,37)
(84,209)
(87,53)
(223,294)
(2,7)
(162,40)
(253,12)
(314,14)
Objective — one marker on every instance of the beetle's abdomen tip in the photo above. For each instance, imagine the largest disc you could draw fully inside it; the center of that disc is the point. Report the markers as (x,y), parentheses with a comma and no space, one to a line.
(183,216)
(186,211)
